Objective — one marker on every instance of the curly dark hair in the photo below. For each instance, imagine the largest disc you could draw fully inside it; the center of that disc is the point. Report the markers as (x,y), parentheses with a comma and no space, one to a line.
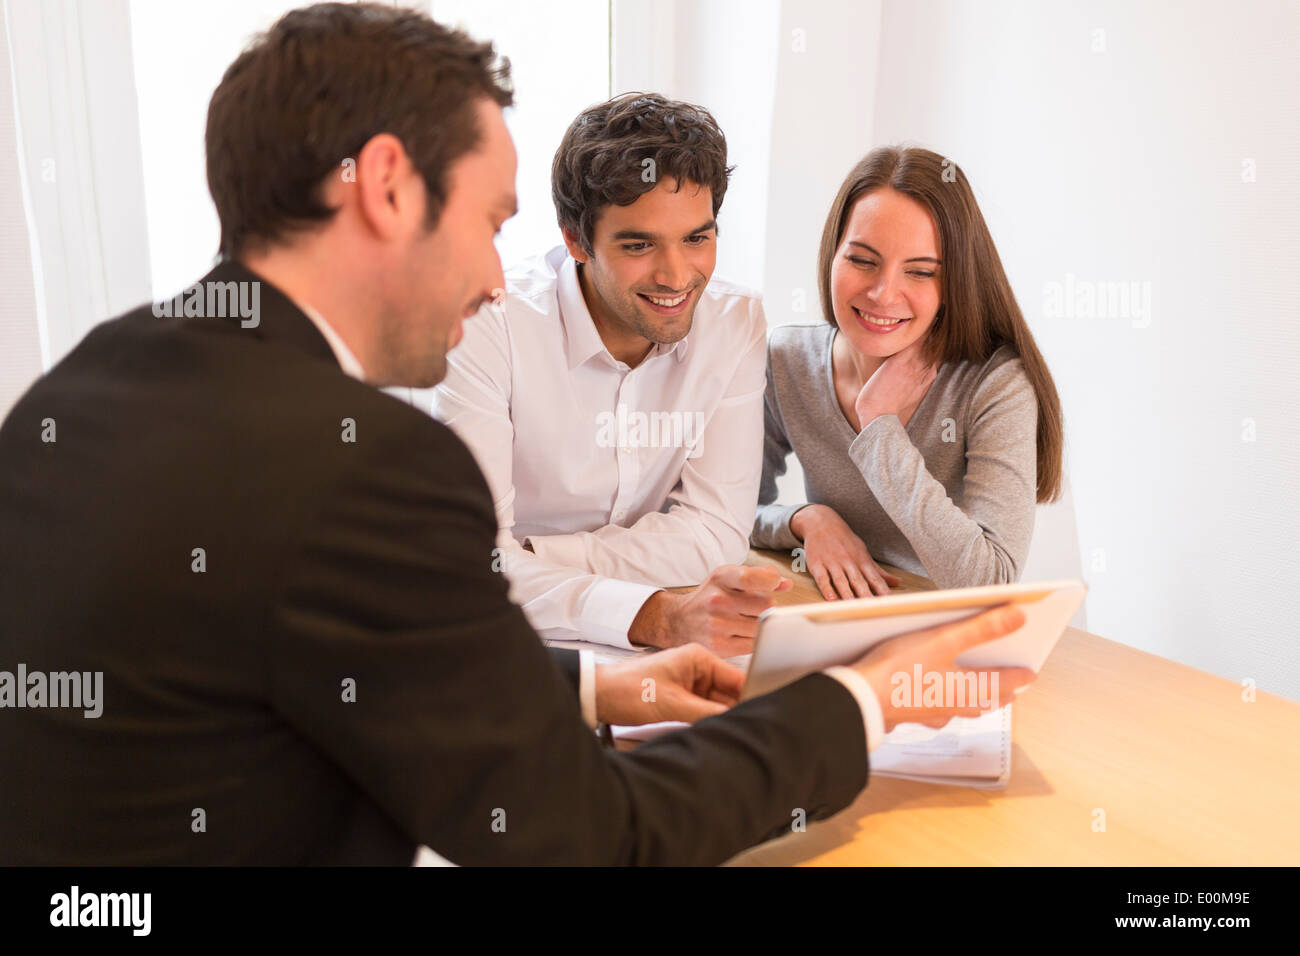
(616,151)
(314,88)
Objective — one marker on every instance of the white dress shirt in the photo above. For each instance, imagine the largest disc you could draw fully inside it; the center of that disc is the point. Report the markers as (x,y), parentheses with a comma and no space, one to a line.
(853,681)
(623,480)
(529,389)
(347,359)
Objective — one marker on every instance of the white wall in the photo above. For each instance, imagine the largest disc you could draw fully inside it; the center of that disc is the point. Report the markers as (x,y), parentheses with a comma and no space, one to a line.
(551,88)
(559,55)
(173,111)
(821,125)
(1155,144)
(722,55)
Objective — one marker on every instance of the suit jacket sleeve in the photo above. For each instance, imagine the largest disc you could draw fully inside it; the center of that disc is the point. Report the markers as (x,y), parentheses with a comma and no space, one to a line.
(394,649)
(567,662)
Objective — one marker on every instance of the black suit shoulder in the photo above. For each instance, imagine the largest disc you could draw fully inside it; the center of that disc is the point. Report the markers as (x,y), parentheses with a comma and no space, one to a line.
(286,579)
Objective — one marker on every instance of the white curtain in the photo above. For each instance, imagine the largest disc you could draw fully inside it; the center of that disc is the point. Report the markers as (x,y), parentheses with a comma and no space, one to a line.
(20,356)
(77,141)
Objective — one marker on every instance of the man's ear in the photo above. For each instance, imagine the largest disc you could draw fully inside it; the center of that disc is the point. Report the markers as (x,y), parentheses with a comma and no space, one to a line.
(390,191)
(574,245)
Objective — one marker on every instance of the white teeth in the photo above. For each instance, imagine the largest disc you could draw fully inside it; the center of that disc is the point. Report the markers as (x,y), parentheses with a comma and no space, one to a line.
(875,321)
(669,303)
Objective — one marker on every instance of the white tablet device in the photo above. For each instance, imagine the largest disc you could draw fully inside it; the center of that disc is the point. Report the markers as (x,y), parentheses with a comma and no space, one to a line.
(798,639)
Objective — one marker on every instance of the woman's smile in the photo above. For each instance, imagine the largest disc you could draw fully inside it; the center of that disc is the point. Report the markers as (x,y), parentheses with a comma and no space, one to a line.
(879,324)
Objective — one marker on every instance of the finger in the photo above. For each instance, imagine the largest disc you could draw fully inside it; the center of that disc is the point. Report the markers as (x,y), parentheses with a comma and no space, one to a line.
(893,580)
(861,588)
(690,708)
(996,688)
(733,625)
(724,603)
(760,580)
(875,579)
(1012,680)
(983,627)
(730,700)
(841,582)
(739,577)
(823,580)
(717,679)
(726,575)
(730,645)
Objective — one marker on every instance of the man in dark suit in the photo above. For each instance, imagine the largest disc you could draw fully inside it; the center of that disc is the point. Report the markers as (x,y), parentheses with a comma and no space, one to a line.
(284,575)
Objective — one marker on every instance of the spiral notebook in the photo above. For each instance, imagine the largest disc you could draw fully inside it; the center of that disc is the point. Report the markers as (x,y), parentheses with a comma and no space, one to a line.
(968,752)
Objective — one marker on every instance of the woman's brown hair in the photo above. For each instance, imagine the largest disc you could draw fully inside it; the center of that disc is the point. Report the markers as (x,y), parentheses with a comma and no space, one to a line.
(979,312)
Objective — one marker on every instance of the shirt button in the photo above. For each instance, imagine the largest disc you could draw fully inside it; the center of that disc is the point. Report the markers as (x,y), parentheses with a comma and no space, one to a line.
(619,514)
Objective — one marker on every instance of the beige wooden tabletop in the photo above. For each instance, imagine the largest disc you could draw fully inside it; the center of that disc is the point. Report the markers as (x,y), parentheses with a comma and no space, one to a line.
(1119,757)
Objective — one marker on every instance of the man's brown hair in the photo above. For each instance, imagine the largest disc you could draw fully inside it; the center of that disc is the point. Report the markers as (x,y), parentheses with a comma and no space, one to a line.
(616,151)
(309,93)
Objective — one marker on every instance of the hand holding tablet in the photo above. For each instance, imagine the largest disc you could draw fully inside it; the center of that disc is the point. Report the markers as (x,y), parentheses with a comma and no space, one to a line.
(1007,630)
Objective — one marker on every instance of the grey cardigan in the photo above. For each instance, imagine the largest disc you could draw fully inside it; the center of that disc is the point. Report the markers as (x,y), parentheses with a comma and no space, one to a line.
(951,497)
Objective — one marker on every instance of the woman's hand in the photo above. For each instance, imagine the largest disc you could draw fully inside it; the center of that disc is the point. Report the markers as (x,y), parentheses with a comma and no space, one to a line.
(897,387)
(836,557)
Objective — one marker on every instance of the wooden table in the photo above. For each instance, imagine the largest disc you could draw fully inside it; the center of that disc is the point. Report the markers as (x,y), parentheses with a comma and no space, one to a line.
(1119,757)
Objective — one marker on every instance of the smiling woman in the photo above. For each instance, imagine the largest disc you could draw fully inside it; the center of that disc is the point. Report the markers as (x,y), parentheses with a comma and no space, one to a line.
(922,412)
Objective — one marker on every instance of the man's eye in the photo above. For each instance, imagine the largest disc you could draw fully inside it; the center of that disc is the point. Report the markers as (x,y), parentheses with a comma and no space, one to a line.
(635,246)
(697,240)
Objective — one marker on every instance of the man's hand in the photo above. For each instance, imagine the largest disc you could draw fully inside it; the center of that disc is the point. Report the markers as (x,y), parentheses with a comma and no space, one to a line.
(897,387)
(684,683)
(935,650)
(722,613)
(837,558)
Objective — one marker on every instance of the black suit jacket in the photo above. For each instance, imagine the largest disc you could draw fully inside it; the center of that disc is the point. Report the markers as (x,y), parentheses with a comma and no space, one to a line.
(226,735)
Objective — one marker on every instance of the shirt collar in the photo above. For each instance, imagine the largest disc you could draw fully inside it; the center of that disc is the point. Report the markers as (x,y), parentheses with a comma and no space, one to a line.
(346,357)
(581,339)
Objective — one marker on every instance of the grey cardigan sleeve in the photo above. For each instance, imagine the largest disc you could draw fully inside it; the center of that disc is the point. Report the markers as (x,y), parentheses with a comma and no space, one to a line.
(772,523)
(984,539)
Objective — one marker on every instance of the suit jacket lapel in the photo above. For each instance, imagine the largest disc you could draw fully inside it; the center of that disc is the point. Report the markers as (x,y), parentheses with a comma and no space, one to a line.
(276,318)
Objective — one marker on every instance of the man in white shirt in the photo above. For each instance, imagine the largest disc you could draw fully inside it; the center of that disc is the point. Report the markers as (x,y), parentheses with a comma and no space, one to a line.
(613,398)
